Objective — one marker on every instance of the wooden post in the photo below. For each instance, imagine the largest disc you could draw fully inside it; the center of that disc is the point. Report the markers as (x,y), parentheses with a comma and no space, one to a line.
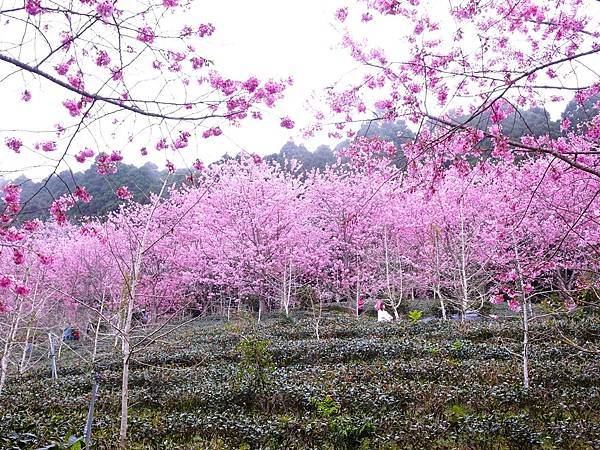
(90,415)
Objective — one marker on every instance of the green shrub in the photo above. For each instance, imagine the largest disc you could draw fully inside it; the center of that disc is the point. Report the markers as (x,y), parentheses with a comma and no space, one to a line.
(435,385)
(256,365)
(415,315)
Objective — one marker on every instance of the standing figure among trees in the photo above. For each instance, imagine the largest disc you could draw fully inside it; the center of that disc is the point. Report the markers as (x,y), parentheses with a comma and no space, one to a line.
(382,314)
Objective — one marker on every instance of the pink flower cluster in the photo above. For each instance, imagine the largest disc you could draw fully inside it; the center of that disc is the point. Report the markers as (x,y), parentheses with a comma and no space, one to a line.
(198,165)
(73,106)
(288,123)
(14,144)
(5,282)
(12,198)
(33,7)
(59,208)
(105,9)
(102,60)
(123,193)
(182,140)
(47,146)
(31,225)
(106,164)
(161,144)
(214,131)
(197,62)
(146,35)
(18,256)
(341,14)
(206,29)
(82,194)
(82,155)
(170,167)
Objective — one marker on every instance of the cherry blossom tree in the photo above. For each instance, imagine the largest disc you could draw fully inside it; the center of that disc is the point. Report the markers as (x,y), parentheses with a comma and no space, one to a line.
(466,66)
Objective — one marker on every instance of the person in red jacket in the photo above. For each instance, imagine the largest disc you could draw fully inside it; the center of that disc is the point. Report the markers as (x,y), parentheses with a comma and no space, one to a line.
(360,306)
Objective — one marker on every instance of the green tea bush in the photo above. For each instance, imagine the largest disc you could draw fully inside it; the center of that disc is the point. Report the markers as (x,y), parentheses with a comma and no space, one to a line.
(363,385)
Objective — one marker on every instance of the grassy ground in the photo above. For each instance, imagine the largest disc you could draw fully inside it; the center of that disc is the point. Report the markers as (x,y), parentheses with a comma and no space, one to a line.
(363,385)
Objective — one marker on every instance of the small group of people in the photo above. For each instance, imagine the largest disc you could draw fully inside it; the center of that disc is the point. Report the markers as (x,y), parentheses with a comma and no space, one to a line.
(382,314)
(71,333)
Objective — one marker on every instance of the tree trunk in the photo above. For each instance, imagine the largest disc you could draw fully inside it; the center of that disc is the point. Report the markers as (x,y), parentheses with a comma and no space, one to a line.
(24,355)
(124,395)
(463,269)
(525,346)
(97,332)
(4,364)
(129,296)
(391,293)
(12,334)
(52,357)
(525,316)
(438,283)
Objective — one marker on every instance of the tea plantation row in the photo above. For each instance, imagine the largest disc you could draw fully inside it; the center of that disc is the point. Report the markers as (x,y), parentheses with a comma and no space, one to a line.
(363,385)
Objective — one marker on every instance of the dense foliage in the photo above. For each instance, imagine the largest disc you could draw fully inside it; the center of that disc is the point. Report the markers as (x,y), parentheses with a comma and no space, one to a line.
(453,186)
(364,385)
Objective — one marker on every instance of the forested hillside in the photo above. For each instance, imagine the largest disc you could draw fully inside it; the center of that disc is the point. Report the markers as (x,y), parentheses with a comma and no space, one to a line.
(143,180)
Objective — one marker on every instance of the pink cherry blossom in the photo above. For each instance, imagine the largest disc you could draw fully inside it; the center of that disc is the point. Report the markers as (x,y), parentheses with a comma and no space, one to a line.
(14,144)
(123,193)
(146,35)
(33,7)
(206,30)
(286,122)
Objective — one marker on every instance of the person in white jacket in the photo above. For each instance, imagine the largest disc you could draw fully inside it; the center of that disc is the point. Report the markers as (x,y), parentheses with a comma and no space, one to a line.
(382,314)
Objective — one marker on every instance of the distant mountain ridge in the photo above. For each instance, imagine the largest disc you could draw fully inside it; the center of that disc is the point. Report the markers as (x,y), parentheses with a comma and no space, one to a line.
(38,196)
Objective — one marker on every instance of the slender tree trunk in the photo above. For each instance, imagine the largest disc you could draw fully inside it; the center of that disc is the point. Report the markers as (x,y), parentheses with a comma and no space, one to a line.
(463,269)
(357,297)
(438,287)
(124,394)
(391,293)
(119,326)
(24,355)
(525,347)
(4,363)
(286,291)
(130,296)
(438,291)
(12,334)
(317,311)
(52,357)
(401,293)
(97,331)
(289,292)
(525,317)
(126,350)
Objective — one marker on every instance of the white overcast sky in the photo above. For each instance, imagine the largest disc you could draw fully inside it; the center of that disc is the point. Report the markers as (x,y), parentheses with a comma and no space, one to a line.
(276,39)
(266,38)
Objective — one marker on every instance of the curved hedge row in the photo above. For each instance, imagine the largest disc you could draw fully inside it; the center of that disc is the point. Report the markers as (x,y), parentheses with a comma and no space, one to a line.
(364,385)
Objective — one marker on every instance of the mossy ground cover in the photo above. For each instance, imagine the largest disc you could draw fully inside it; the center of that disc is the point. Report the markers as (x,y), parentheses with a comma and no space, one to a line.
(363,385)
